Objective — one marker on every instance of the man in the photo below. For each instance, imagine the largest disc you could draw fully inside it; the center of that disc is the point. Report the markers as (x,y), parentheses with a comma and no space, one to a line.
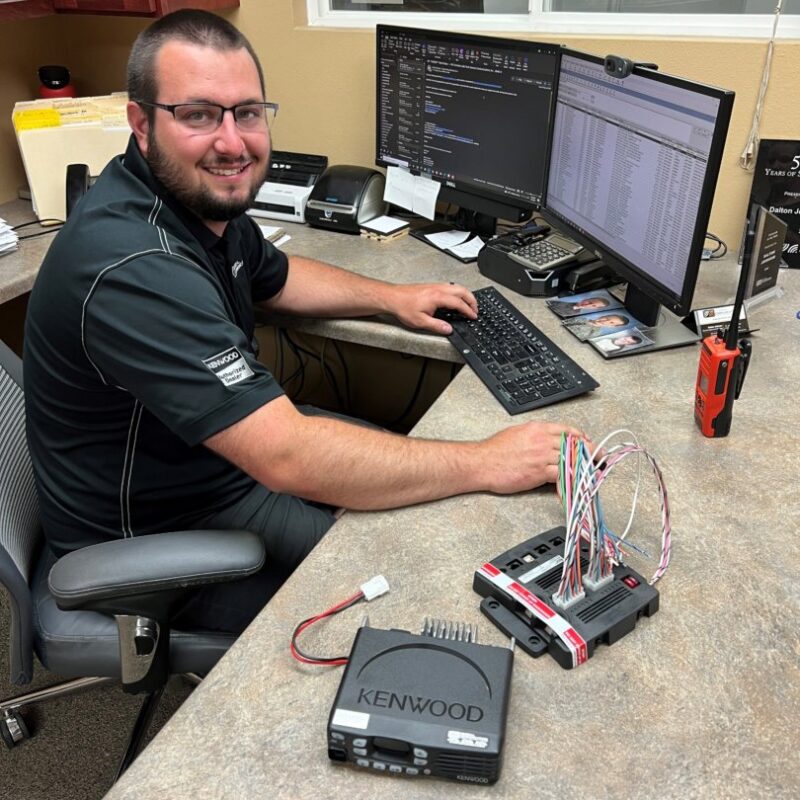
(572,308)
(589,327)
(627,341)
(147,408)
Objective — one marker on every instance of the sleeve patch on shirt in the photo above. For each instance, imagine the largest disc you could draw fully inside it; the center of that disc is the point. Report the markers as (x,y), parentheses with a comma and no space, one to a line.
(229,366)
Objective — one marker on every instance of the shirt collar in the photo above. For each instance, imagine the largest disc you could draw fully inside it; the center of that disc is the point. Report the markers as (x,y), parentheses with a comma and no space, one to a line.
(135,163)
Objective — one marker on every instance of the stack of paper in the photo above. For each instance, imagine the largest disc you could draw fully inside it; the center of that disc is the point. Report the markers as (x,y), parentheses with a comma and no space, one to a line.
(8,238)
(384,229)
(275,234)
(53,133)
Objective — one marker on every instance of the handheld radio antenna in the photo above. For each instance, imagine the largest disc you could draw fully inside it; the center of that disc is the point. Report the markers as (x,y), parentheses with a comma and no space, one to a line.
(732,337)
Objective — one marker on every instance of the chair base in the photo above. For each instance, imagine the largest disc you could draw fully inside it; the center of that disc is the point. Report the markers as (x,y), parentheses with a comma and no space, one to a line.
(49,692)
(14,731)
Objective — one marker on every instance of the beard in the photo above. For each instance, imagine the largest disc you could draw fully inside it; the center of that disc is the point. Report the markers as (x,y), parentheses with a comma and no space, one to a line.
(200,200)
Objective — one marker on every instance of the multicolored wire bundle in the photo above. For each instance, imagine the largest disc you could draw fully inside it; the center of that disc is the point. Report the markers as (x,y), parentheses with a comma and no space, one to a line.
(581,474)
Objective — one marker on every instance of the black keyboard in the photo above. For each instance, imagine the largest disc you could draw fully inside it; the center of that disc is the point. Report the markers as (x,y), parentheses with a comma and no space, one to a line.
(521,366)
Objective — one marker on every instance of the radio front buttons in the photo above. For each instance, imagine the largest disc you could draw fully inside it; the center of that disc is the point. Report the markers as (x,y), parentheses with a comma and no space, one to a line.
(420,762)
(338,736)
(412,771)
(395,768)
(362,762)
(360,751)
(378,765)
(420,753)
(359,742)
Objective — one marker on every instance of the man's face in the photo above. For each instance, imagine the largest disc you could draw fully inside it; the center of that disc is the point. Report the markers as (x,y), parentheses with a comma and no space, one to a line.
(625,341)
(609,321)
(591,302)
(216,175)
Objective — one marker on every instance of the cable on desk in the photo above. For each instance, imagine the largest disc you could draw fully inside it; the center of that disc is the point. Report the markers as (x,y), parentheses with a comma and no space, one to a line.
(721,248)
(38,222)
(375,587)
(40,233)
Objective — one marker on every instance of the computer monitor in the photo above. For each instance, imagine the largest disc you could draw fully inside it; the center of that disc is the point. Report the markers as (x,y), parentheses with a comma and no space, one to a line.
(632,168)
(471,112)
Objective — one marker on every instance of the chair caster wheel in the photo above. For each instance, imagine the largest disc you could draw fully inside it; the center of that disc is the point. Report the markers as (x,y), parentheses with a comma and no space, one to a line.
(13,729)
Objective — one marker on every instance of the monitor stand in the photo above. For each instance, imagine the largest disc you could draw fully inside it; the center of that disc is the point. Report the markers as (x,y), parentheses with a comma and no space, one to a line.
(472,222)
(661,326)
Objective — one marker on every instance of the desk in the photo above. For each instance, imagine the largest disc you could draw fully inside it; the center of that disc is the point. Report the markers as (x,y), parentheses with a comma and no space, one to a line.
(701,701)
(18,270)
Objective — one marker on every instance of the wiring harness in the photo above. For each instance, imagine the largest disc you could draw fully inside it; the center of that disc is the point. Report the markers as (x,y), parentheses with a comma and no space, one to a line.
(581,474)
(369,591)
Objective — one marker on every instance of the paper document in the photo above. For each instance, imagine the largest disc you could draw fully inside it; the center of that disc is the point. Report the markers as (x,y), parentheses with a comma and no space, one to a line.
(272,232)
(469,249)
(414,192)
(53,133)
(8,238)
(447,239)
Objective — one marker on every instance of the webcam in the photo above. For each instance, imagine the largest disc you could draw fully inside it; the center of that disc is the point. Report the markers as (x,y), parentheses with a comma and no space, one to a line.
(619,67)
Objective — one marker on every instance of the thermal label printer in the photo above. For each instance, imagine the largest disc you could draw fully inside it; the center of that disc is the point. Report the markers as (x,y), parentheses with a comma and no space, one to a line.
(290,180)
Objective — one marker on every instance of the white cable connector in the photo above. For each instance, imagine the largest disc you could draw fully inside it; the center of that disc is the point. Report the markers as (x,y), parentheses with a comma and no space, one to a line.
(375,587)
(565,604)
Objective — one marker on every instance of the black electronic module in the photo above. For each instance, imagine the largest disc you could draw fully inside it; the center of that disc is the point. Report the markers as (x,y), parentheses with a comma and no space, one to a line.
(518,588)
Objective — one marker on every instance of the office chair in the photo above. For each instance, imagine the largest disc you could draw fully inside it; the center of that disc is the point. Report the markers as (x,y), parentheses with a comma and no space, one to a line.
(101,613)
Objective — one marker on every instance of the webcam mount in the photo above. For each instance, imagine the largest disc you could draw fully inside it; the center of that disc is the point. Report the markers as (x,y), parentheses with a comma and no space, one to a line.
(620,67)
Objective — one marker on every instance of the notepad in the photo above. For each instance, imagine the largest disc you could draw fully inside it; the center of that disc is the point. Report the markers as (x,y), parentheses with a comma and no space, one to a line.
(384,224)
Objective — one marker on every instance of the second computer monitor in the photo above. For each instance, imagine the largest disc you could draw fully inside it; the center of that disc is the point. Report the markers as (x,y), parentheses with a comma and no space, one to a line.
(631,175)
(471,112)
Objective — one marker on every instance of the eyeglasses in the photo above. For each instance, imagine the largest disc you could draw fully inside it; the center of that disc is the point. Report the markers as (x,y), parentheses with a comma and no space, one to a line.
(207,117)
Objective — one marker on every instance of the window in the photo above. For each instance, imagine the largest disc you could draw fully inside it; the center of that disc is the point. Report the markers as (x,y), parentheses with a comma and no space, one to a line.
(706,18)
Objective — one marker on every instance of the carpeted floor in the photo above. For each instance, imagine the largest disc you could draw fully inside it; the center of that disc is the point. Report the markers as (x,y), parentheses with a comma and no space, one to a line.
(77,740)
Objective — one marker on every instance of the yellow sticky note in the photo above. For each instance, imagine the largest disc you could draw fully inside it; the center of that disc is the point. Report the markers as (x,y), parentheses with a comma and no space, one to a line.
(33,118)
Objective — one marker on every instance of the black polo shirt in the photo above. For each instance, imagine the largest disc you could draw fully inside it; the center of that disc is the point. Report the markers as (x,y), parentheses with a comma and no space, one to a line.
(139,345)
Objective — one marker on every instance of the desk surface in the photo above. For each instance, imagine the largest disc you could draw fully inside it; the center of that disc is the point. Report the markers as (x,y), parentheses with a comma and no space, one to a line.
(701,701)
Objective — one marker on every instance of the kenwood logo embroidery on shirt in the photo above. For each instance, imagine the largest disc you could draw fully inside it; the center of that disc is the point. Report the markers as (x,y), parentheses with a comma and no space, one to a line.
(236,267)
(229,366)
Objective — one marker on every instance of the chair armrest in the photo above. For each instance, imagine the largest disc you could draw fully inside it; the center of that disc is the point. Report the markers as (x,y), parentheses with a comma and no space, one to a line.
(140,567)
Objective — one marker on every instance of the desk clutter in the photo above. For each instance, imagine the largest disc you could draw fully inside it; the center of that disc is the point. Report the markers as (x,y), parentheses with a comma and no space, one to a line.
(9,241)
(436,703)
(53,133)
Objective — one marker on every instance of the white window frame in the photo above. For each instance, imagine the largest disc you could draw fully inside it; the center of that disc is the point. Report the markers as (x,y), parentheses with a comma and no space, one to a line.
(550,23)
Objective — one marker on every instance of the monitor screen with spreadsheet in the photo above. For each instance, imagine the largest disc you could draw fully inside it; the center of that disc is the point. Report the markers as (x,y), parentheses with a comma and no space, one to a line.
(470,112)
(631,174)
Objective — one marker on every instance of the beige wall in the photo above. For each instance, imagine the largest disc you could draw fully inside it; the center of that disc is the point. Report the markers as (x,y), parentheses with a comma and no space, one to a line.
(324,80)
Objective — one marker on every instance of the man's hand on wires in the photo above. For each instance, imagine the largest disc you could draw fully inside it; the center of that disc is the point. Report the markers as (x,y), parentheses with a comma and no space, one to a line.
(525,456)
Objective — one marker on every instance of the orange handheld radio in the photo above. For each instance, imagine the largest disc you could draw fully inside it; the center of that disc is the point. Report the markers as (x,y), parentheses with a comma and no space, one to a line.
(723,365)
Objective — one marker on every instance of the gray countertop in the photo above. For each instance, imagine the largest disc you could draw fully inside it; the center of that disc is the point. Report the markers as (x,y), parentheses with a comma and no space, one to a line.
(18,270)
(700,701)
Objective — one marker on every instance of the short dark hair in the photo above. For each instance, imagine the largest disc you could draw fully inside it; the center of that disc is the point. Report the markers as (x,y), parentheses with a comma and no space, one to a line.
(191,26)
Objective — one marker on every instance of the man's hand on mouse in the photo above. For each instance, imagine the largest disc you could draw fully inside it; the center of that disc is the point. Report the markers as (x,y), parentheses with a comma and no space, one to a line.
(416,304)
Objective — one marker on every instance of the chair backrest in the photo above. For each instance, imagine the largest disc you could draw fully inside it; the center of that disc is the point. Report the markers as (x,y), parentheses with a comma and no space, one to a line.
(20,530)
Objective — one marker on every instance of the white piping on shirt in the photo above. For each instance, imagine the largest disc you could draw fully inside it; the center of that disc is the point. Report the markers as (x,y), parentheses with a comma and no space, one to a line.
(127,470)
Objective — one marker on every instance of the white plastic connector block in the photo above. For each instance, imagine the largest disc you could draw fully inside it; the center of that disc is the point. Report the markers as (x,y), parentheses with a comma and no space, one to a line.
(375,587)
(565,604)
(594,585)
